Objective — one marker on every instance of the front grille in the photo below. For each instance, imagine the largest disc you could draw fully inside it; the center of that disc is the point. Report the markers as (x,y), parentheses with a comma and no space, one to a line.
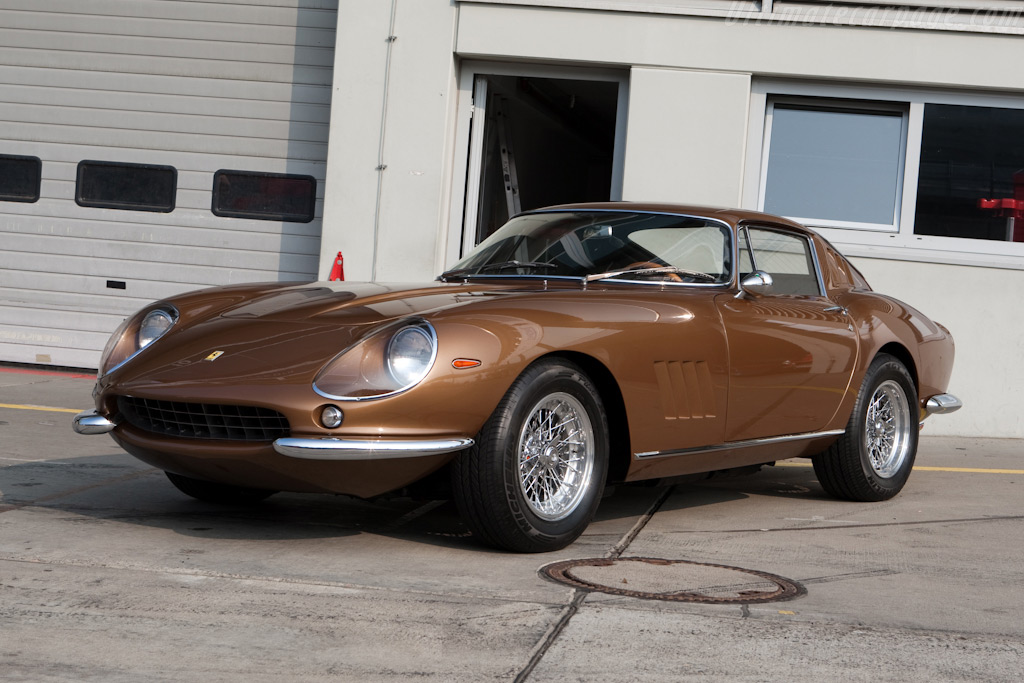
(203,420)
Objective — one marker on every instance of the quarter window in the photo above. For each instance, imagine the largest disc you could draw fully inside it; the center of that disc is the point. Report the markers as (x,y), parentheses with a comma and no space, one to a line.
(133,187)
(19,178)
(784,256)
(264,196)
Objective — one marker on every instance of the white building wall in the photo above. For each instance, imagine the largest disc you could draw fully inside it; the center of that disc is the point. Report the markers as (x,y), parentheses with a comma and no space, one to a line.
(690,94)
(692,166)
(980,306)
(393,108)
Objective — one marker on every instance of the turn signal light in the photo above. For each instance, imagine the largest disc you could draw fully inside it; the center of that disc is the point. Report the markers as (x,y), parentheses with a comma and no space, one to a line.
(463,363)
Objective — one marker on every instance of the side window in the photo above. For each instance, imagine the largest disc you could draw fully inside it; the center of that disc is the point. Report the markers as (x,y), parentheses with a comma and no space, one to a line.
(132,187)
(787,258)
(19,178)
(264,196)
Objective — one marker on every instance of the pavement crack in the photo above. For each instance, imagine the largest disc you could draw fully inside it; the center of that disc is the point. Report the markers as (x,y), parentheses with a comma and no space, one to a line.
(579,595)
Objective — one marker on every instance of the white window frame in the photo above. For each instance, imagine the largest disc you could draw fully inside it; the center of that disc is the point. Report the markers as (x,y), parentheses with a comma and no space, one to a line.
(465,185)
(901,243)
(883,108)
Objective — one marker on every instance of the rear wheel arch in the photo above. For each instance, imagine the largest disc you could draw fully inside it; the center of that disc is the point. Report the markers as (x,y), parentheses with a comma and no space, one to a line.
(903,355)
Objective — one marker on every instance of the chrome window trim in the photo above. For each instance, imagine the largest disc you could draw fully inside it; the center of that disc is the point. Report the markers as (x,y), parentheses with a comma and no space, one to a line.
(730,445)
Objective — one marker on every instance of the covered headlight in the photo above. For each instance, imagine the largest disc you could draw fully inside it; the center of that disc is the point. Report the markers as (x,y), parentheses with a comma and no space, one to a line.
(410,355)
(390,361)
(135,334)
(154,325)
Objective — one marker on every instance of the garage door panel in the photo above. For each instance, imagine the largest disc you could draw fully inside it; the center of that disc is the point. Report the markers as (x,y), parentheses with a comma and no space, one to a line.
(111,136)
(256,11)
(64,319)
(198,27)
(60,218)
(87,238)
(252,131)
(74,78)
(152,257)
(54,289)
(192,277)
(217,50)
(192,108)
(61,159)
(226,69)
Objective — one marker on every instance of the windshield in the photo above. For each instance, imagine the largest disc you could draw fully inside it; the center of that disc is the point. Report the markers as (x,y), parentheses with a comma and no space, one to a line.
(606,244)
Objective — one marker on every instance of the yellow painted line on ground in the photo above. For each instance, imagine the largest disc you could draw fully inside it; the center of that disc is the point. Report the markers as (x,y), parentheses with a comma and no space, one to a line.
(924,468)
(17,406)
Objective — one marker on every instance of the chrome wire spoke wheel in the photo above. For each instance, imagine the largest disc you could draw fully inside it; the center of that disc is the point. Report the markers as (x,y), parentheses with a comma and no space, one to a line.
(556,456)
(887,428)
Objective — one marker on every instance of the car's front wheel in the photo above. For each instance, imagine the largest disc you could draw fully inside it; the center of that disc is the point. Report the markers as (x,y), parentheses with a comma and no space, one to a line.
(873,459)
(212,492)
(534,478)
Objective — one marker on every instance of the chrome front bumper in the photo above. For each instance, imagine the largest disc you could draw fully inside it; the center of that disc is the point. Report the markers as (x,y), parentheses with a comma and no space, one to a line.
(357,449)
(91,422)
(942,404)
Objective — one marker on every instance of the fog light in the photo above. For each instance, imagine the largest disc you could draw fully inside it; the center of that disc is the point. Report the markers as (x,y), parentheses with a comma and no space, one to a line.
(331,417)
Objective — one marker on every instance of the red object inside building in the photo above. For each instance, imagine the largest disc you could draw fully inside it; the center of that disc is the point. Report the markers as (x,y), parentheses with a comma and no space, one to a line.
(1010,208)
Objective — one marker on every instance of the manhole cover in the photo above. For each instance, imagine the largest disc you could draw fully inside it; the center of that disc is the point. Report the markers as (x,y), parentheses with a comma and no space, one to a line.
(678,580)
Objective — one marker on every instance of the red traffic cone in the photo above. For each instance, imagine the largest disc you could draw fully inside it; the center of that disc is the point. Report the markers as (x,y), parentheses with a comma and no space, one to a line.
(338,271)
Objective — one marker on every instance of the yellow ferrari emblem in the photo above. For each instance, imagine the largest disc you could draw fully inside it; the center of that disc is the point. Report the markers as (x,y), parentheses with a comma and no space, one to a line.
(215,355)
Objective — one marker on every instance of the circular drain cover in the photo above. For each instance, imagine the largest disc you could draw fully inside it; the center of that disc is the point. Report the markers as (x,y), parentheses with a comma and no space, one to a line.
(678,580)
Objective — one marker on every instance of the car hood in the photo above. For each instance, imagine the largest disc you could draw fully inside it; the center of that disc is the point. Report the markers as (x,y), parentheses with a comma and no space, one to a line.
(356,303)
(267,335)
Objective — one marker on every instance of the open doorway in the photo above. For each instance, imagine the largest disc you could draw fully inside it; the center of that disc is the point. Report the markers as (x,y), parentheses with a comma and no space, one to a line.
(537,138)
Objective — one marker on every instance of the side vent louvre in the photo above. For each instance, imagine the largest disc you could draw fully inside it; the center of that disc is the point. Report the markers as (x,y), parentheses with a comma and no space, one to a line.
(686,390)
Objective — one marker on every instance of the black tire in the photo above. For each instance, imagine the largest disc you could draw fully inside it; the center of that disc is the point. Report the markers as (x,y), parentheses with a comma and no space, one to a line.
(212,492)
(497,484)
(873,459)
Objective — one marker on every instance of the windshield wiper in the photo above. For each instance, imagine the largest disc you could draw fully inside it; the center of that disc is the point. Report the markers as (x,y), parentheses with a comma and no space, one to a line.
(695,274)
(503,265)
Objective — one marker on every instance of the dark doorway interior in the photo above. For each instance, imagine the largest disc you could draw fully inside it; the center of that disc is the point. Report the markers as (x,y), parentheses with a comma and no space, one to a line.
(546,141)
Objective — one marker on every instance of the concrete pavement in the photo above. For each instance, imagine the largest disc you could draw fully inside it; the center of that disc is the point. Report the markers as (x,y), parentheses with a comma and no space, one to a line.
(108,573)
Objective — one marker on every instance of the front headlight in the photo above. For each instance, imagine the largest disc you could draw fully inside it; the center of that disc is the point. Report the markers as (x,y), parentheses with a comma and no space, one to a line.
(135,334)
(388,362)
(410,355)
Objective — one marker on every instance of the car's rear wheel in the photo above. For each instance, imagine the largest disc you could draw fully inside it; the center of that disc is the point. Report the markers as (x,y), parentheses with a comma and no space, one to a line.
(534,478)
(873,459)
(212,492)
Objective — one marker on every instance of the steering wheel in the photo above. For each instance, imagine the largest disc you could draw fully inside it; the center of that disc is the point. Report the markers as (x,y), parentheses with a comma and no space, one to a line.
(674,277)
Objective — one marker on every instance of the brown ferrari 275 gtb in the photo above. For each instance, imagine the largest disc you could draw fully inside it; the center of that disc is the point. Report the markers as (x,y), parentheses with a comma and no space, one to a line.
(578,345)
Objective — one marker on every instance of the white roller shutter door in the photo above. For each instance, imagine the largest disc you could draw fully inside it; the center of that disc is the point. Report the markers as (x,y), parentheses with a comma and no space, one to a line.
(199,86)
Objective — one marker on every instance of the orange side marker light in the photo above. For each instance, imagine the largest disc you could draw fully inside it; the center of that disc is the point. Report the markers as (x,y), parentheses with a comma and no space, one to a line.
(463,363)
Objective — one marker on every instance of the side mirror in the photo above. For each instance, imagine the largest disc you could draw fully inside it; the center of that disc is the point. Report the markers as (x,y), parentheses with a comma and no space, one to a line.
(758,283)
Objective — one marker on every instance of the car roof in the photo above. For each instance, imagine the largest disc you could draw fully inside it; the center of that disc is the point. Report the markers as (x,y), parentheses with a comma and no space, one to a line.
(731,216)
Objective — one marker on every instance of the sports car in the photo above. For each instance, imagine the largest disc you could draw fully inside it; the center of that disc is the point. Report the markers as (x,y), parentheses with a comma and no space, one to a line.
(576,347)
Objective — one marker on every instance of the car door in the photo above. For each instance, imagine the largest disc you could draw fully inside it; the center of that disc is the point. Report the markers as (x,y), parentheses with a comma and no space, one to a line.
(792,350)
